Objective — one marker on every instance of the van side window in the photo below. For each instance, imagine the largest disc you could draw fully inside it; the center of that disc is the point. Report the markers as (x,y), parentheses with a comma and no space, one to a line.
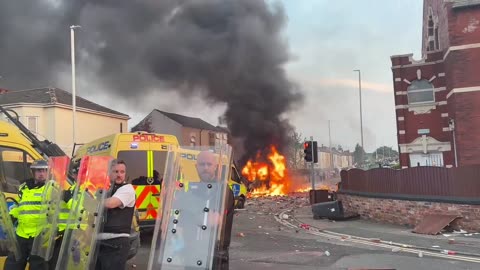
(14,168)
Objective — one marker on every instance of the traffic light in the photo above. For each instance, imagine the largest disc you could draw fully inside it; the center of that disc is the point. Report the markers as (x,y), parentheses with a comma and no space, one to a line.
(311,151)
(307,149)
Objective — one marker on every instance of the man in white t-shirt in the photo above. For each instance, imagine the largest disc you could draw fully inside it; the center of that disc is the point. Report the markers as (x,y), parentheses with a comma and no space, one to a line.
(120,207)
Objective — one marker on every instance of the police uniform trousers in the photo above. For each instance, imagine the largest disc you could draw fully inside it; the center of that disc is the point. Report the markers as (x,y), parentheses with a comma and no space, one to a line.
(112,253)
(35,262)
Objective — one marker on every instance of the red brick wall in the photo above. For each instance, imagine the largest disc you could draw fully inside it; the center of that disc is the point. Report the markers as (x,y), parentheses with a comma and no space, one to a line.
(467,124)
(462,68)
(440,10)
(404,159)
(432,120)
(461,26)
(187,132)
(410,213)
(413,122)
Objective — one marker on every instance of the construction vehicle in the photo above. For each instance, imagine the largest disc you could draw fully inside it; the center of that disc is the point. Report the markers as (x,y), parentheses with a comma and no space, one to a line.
(18,149)
(145,155)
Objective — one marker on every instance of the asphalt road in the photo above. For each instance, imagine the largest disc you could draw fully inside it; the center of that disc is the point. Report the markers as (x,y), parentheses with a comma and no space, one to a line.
(260,242)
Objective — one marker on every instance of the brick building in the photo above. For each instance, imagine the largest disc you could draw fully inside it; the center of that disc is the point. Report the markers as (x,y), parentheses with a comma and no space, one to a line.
(437,98)
(190,131)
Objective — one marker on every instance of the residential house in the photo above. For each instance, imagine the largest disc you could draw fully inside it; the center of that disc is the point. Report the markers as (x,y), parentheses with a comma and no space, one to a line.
(191,131)
(47,112)
(331,159)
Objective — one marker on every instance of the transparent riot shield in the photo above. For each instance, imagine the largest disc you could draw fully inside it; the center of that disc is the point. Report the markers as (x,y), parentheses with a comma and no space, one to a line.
(86,214)
(8,238)
(52,206)
(190,228)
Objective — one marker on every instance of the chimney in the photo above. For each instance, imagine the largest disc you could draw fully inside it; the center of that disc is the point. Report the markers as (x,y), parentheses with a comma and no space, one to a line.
(222,121)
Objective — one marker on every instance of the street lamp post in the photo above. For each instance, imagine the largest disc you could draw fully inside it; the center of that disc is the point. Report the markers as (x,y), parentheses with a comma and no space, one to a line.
(74,99)
(360,96)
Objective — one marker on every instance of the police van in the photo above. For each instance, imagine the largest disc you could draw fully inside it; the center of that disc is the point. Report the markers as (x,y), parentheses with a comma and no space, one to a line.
(237,183)
(145,155)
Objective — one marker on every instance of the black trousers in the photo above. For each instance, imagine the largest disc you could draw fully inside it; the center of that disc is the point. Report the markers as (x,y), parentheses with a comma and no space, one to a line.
(112,254)
(56,252)
(36,263)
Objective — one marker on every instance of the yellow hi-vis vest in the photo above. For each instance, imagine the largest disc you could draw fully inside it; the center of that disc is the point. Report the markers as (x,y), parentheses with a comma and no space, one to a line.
(65,211)
(29,211)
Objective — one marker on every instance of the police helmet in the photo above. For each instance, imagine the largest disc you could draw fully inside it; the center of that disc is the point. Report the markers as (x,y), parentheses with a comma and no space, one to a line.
(39,164)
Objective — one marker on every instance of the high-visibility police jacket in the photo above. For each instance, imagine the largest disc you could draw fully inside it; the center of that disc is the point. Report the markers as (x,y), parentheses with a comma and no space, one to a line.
(76,215)
(29,210)
(65,207)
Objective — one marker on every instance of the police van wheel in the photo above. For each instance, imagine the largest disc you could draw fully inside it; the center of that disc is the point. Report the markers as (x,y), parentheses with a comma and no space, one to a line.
(241,203)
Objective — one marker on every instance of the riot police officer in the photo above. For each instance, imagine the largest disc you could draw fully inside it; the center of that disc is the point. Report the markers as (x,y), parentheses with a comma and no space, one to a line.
(28,214)
(207,165)
(114,242)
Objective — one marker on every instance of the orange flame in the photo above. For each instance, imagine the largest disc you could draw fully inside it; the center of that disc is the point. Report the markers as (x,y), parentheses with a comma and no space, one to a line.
(270,178)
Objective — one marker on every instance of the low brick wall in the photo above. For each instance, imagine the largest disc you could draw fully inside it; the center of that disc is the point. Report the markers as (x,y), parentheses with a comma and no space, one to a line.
(410,213)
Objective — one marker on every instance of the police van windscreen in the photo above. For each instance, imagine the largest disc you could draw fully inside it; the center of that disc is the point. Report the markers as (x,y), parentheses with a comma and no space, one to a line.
(138,166)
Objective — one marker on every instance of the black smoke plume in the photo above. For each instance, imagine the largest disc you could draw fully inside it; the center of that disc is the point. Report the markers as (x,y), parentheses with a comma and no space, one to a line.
(230,51)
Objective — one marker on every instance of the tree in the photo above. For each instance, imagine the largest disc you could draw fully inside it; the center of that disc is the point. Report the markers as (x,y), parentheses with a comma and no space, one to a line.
(295,151)
(359,155)
(385,152)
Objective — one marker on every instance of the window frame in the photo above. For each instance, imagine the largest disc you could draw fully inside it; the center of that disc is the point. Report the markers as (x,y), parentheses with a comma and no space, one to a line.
(415,91)
(6,185)
(35,121)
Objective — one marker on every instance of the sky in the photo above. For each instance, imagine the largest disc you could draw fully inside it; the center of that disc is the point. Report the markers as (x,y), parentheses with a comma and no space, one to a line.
(332,38)
(327,40)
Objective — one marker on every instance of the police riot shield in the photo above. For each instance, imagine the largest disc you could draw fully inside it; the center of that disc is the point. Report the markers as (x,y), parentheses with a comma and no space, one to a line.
(53,206)
(78,250)
(8,238)
(190,227)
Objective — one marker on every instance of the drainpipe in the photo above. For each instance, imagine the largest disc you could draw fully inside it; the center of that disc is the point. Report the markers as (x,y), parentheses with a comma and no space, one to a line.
(452,128)
(201,136)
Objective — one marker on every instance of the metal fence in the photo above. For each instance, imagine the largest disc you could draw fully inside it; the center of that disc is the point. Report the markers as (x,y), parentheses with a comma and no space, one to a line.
(461,182)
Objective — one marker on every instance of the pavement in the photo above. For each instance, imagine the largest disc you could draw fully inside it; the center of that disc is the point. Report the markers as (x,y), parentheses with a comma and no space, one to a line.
(464,243)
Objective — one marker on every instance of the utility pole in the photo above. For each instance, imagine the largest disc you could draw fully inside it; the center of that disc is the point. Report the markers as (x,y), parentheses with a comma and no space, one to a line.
(74,85)
(360,96)
(312,170)
(330,146)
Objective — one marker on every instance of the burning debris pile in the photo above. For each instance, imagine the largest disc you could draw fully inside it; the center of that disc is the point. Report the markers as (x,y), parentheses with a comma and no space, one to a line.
(269,175)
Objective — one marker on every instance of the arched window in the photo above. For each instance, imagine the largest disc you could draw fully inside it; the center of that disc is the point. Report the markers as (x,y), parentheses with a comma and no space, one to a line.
(420,92)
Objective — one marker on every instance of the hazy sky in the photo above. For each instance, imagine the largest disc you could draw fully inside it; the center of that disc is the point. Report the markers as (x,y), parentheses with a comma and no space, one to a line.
(327,41)
(332,38)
